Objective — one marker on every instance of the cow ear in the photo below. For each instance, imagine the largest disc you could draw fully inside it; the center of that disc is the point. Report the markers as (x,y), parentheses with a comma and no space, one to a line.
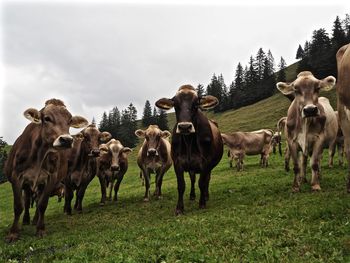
(78,122)
(104,136)
(78,136)
(328,83)
(165,104)
(208,102)
(103,148)
(126,150)
(165,134)
(33,115)
(285,88)
(140,133)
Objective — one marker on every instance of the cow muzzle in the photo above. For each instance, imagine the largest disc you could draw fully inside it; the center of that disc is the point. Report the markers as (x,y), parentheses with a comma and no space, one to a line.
(63,141)
(115,168)
(94,153)
(152,152)
(185,128)
(310,111)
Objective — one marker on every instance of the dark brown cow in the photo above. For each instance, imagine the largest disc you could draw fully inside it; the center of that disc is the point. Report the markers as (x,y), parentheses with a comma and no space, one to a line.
(154,157)
(112,164)
(37,150)
(196,145)
(248,143)
(82,165)
(343,94)
(311,124)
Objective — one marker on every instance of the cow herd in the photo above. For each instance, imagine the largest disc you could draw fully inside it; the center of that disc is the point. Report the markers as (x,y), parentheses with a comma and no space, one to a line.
(46,160)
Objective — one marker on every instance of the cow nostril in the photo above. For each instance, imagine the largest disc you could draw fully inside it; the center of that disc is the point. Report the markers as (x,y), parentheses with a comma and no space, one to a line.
(310,111)
(115,168)
(186,126)
(65,141)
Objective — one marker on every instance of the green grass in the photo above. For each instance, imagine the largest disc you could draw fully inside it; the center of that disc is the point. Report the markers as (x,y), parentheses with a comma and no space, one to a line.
(251,216)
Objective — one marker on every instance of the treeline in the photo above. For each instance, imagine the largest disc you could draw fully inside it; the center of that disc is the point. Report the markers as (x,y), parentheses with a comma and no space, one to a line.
(3,157)
(318,54)
(122,125)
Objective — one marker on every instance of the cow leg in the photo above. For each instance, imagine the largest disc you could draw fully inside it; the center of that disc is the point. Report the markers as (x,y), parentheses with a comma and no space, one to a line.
(193,184)
(331,151)
(303,164)
(159,182)
(286,159)
(13,235)
(80,197)
(27,199)
(181,185)
(207,188)
(315,166)
(203,186)
(117,185)
(147,185)
(110,185)
(102,180)
(347,155)
(68,196)
(294,154)
(41,208)
(340,147)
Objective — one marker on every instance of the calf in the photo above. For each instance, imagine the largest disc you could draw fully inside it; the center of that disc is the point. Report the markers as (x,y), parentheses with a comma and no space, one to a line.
(82,165)
(196,145)
(154,157)
(343,95)
(311,124)
(248,143)
(112,164)
(39,148)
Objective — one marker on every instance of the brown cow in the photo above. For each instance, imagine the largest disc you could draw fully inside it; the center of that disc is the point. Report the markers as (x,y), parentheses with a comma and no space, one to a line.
(343,94)
(112,164)
(33,152)
(339,142)
(82,165)
(248,143)
(154,157)
(196,145)
(311,124)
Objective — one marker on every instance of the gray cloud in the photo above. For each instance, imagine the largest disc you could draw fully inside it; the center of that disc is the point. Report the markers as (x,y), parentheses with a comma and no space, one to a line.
(97,56)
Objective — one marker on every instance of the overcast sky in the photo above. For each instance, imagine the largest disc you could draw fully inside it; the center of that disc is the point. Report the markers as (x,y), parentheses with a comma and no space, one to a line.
(95,56)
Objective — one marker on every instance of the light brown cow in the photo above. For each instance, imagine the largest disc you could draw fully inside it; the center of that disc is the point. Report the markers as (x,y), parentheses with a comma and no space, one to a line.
(154,157)
(248,143)
(38,149)
(311,124)
(82,166)
(343,94)
(112,165)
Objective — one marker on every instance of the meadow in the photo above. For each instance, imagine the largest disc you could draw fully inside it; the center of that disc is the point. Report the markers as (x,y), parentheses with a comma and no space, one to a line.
(252,216)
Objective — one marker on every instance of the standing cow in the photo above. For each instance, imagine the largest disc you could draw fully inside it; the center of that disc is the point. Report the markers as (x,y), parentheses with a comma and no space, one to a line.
(248,143)
(37,162)
(112,165)
(196,145)
(154,157)
(343,94)
(311,124)
(82,166)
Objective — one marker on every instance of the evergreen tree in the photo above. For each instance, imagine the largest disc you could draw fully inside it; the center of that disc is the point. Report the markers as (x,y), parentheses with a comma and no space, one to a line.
(259,63)
(104,122)
(338,34)
(239,77)
(346,26)
(128,126)
(320,54)
(147,114)
(300,53)
(271,62)
(215,89)
(200,90)
(281,73)
(162,120)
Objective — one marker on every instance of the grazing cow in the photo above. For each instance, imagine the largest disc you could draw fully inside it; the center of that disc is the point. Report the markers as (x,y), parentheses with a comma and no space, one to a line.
(154,157)
(82,165)
(311,124)
(112,164)
(196,145)
(343,94)
(37,161)
(248,143)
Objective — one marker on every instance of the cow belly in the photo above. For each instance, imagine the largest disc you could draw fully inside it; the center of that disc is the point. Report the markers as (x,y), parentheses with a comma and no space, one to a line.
(154,166)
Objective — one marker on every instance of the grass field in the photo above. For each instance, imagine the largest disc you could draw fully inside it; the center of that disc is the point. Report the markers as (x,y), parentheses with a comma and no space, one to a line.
(251,216)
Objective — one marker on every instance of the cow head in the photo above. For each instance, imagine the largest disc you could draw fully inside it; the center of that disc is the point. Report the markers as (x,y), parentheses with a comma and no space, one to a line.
(152,136)
(113,151)
(187,103)
(93,138)
(55,121)
(306,89)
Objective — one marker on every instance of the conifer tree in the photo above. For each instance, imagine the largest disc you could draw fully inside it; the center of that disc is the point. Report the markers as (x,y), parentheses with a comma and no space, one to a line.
(147,114)
(281,73)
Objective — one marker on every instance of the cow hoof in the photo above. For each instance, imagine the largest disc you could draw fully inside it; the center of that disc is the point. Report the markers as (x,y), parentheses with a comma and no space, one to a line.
(146,199)
(295,189)
(179,212)
(202,206)
(316,188)
(12,237)
(40,233)
(192,197)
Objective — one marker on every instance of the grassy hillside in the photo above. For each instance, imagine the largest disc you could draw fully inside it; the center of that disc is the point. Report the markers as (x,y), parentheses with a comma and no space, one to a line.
(252,216)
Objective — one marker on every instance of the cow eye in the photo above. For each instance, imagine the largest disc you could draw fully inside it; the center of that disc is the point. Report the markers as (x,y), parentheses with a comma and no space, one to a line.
(47,119)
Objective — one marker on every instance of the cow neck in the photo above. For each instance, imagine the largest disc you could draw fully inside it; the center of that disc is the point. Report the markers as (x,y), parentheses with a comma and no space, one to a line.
(39,150)
(83,158)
